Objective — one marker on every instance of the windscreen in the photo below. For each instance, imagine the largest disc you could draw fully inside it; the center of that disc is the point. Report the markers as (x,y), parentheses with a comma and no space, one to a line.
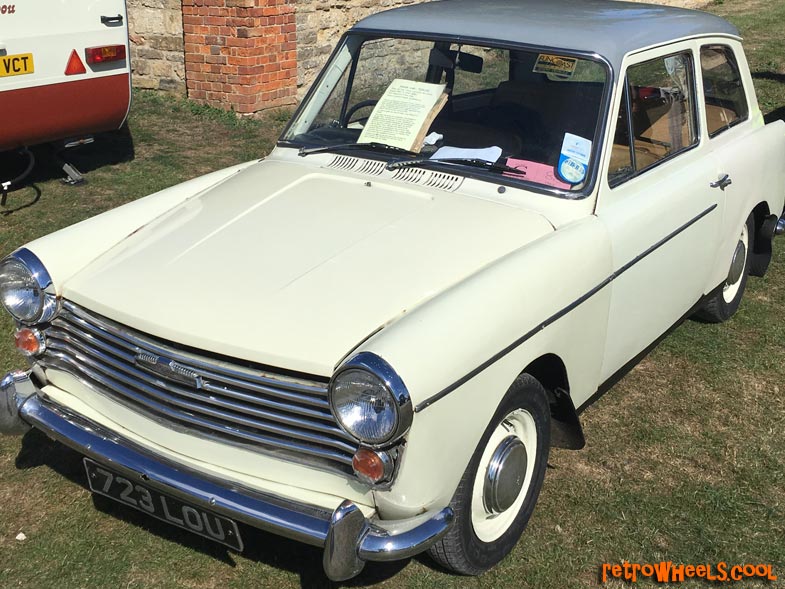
(536,112)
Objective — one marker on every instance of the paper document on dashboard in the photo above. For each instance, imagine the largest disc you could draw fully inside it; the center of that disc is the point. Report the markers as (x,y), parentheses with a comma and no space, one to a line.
(489,154)
(403,114)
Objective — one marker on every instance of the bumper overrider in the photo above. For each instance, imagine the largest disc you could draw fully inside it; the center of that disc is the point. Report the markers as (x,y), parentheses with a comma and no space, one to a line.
(349,538)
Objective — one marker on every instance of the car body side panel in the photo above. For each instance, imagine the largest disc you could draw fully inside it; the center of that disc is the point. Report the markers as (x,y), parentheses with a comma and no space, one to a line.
(737,153)
(681,208)
(752,154)
(448,337)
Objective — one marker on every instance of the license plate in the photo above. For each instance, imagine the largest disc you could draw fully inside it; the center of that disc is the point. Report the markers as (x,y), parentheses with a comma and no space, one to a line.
(16,65)
(173,511)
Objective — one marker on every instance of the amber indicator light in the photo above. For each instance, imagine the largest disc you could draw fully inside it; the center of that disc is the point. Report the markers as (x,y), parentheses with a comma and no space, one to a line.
(367,463)
(104,54)
(27,341)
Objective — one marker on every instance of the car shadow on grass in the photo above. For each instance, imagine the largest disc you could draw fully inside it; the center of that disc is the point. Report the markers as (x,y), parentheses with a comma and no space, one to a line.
(306,561)
(108,149)
(777,114)
(774,76)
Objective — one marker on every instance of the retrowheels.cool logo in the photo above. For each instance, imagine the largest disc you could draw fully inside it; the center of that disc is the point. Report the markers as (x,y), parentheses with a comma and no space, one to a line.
(668,572)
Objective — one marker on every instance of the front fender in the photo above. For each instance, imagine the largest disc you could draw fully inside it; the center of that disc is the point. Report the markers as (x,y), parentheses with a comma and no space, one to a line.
(67,251)
(473,340)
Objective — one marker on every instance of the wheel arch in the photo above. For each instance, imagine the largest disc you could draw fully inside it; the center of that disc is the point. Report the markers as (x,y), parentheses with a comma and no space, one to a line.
(764,223)
(566,431)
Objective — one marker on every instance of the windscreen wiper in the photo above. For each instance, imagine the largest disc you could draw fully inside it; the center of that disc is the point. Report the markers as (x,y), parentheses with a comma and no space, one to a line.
(372,146)
(455,161)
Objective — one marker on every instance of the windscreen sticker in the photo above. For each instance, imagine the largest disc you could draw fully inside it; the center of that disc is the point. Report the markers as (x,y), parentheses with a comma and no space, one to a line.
(555,64)
(574,158)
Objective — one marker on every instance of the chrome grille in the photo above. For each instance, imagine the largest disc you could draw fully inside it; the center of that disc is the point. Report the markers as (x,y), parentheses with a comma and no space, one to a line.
(226,399)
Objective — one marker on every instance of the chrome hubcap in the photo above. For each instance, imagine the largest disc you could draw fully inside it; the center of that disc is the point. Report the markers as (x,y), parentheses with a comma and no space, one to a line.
(505,476)
(737,265)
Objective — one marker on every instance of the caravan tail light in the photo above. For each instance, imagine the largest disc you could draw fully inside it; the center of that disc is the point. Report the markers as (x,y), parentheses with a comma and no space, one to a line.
(105,53)
(75,65)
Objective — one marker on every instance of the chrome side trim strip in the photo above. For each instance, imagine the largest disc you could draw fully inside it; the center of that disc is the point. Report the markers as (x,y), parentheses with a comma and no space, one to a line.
(559,314)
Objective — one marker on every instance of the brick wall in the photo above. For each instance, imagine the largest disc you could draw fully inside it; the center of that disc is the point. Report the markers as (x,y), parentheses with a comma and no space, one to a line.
(240,54)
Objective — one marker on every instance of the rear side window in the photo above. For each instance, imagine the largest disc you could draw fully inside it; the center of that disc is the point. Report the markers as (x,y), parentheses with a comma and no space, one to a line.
(657,117)
(726,101)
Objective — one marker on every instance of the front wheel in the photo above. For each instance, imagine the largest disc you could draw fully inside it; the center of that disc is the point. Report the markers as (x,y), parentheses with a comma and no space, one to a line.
(497,493)
(724,303)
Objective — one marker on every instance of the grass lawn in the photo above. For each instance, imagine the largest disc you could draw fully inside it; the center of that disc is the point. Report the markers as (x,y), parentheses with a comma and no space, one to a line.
(685,458)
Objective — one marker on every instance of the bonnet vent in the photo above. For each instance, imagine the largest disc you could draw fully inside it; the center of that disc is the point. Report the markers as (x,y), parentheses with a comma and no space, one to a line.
(429,178)
(419,176)
(343,162)
(360,166)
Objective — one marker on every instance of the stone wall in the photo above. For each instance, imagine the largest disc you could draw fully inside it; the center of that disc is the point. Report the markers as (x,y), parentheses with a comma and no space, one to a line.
(320,23)
(156,34)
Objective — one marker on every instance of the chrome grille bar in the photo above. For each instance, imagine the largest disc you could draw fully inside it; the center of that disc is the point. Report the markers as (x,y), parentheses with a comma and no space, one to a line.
(231,401)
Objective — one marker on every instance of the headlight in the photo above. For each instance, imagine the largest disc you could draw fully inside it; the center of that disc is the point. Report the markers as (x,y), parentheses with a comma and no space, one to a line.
(370,401)
(23,281)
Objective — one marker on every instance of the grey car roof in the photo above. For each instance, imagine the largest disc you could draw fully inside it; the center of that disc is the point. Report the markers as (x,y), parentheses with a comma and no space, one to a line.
(607,27)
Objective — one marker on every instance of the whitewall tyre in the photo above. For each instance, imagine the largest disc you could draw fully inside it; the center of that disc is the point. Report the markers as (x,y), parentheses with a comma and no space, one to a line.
(724,303)
(497,493)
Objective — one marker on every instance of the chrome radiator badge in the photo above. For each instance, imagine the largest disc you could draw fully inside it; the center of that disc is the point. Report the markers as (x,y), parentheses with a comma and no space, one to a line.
(168,368)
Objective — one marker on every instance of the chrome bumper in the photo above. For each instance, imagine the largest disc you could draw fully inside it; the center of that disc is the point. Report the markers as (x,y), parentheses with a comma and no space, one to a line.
(348,537)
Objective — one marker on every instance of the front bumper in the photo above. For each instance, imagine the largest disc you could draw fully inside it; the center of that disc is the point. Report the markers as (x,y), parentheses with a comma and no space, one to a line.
(348,537)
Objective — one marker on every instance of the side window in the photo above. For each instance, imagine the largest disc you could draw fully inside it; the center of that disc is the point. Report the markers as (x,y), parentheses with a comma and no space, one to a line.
(656,119)
(726,102)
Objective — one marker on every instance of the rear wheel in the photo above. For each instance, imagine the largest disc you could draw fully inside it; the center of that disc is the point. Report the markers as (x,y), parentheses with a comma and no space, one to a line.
(724,303)
(498,491)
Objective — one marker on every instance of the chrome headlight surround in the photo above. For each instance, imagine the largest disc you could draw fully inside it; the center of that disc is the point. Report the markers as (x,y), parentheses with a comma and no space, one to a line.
(24,266)
(385,382)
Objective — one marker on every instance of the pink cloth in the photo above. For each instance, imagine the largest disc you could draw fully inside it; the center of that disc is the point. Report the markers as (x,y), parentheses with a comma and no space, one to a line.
(534,172)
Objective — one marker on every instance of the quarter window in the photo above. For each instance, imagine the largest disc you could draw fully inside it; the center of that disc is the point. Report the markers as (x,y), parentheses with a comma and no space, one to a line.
(656,119)
(726,102)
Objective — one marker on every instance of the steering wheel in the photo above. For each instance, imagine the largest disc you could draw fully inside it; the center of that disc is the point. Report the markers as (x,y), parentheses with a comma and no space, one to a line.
(354,108)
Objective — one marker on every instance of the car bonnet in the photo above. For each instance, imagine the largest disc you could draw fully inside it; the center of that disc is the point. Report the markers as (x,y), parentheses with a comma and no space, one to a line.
(292,267)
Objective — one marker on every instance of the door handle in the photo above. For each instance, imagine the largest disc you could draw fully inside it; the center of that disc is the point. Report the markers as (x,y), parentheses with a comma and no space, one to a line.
(108,20)
(722,183)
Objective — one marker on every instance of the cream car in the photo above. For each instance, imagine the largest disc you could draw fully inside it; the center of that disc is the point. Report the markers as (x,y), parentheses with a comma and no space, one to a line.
(479,218)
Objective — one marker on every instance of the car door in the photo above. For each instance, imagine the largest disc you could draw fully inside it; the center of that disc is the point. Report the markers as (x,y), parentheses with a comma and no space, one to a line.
(662,216)
(64,70)
(733,139)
